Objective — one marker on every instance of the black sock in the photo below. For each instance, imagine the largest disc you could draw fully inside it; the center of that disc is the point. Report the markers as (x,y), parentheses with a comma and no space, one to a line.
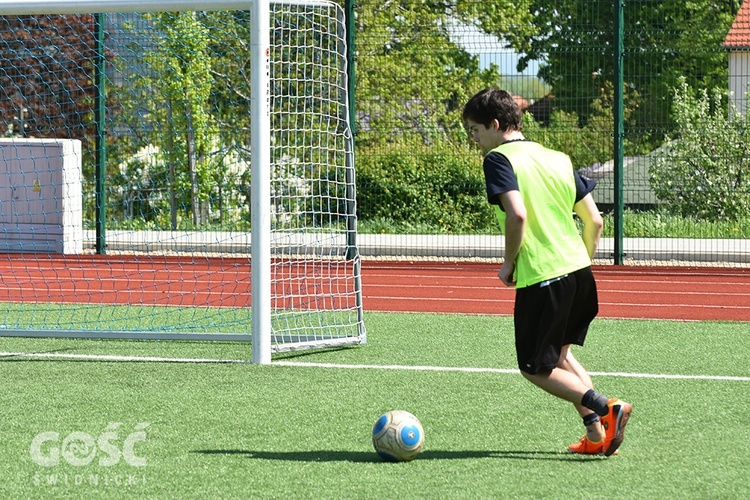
(595,401)
(590,419)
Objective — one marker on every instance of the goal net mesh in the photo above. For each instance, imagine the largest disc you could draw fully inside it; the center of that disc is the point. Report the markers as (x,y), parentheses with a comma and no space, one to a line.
(126,176)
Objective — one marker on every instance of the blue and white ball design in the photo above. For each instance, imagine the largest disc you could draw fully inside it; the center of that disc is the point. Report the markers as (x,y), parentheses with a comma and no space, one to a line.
(398,436)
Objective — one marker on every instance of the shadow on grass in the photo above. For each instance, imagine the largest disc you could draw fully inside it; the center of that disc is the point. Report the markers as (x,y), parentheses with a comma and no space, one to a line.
(366,456)
(286,356)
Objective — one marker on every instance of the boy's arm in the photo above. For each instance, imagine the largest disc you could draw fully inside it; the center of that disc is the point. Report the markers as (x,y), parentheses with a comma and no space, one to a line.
(515,226)
(587,210)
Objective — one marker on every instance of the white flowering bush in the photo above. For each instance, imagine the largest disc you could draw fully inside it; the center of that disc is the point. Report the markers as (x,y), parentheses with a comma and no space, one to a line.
(704,171)
(140,189)
(137,185)
(291,191)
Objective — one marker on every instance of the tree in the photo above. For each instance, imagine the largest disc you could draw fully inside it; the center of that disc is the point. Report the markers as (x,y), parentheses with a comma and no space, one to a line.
(183,64)
(411,74)
(664,40)
(166,112)
(46,85)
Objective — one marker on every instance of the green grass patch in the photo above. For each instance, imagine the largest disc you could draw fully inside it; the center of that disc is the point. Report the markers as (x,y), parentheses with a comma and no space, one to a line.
(664,225)
(647,224)
(244,431)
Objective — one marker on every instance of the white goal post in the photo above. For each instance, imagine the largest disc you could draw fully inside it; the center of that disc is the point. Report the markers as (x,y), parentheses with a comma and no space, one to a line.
(284,250)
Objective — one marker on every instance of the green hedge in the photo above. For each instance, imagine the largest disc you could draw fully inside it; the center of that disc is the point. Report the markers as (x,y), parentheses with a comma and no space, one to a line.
(408,185)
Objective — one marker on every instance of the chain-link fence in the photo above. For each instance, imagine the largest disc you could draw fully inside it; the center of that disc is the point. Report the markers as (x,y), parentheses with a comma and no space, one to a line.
(646,97)
(636,93)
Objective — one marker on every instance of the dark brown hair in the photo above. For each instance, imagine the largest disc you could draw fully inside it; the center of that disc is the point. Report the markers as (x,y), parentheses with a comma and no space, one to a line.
(494,104)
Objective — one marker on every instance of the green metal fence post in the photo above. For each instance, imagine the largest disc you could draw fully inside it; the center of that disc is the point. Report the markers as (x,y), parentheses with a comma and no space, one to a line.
(350,27)
(618,131)
(349,23)
(100,117)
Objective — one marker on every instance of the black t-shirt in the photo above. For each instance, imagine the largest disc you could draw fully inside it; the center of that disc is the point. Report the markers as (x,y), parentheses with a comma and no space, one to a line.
(500,178)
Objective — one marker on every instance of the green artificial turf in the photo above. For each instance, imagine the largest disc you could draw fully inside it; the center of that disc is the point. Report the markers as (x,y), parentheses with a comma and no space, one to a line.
(236,430)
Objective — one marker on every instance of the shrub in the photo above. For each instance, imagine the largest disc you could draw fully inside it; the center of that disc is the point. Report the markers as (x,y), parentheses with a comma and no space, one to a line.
(705,169)
(413,184)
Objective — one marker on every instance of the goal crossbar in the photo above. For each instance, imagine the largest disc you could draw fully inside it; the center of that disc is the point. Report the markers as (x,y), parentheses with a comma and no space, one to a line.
(34,7)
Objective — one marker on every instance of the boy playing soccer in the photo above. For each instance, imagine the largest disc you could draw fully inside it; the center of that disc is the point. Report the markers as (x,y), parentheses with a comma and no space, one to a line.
(534,191)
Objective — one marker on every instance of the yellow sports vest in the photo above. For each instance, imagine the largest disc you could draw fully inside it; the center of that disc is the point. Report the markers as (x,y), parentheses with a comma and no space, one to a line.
(552,245)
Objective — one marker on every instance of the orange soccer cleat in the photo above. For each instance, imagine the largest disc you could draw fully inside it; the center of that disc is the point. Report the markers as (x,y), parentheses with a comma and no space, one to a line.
(586,447)
(614,424)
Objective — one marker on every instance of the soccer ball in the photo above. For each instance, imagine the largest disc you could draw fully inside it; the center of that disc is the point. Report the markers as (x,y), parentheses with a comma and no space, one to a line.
(398,436)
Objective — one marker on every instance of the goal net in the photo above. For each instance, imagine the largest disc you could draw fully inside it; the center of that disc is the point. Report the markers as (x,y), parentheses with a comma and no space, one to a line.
(185,174)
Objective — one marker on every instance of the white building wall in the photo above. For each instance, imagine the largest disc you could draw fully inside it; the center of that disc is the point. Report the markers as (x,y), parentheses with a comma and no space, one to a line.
(739,76)
(41,196)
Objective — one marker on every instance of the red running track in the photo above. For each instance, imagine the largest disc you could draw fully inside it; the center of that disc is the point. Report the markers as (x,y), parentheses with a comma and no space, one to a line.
(678,293)
(103,279)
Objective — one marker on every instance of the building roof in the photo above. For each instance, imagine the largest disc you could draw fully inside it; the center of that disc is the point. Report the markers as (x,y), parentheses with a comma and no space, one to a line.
(523,104)
(739,34)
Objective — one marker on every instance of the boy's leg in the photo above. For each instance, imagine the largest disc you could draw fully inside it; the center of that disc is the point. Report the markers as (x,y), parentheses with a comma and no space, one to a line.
(561,383)
(569,363)
(612,426)
(594,428)
(557,313)
(569,381)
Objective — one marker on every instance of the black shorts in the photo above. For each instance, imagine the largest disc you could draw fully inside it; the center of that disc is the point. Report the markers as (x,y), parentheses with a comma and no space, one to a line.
(552,314)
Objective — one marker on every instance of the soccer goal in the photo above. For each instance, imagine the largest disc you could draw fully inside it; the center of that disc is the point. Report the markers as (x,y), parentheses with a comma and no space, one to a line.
(212,167)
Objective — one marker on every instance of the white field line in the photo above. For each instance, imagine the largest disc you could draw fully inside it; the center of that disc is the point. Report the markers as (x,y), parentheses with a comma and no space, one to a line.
(107,357)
